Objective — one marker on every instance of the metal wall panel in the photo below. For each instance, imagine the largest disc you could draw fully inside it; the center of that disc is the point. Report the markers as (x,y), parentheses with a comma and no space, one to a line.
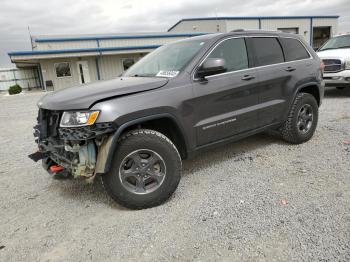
(302,24)
(49,73)
(111,65)
(43,46)
(200,26)
(333,23)
(242,24)
(138,41)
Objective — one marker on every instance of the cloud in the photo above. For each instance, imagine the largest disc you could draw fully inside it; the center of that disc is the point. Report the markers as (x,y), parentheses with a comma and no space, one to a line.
(113,16)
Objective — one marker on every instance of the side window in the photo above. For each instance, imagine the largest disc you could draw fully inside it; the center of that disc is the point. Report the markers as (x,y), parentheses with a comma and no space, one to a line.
(293,49)
(267,51)
(234,52)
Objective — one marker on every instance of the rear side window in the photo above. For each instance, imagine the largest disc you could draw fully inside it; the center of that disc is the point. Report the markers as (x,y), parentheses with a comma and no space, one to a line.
(293,49)
(234,52)
(267,51)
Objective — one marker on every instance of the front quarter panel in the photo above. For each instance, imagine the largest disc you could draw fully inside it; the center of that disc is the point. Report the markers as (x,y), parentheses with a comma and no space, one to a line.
(171,100)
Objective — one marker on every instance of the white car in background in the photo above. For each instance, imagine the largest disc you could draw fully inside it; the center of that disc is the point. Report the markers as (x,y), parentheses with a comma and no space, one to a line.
(335,54)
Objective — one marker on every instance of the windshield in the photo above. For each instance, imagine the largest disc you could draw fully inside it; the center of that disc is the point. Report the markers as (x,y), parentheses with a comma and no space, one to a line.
(337,42)
(166,61)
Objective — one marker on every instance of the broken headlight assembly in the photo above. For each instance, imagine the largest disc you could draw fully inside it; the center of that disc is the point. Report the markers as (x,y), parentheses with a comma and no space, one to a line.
(78,118)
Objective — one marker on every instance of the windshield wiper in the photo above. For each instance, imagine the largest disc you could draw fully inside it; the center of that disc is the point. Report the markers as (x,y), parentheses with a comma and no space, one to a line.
(138,75)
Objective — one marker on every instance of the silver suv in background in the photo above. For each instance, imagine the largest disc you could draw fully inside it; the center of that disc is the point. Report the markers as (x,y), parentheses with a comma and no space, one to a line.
(335,54)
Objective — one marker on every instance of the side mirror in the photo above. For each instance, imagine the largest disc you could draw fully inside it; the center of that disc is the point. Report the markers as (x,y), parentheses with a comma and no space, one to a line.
(212,66)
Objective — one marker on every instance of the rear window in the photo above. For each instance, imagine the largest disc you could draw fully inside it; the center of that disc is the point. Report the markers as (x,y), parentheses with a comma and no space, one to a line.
(293,49)
(267,51)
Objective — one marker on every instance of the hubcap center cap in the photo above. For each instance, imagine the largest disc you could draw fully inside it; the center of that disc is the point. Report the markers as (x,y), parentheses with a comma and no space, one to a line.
(142,171)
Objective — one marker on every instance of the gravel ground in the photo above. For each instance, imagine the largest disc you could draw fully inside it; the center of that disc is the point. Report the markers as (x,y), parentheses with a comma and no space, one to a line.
(259,199)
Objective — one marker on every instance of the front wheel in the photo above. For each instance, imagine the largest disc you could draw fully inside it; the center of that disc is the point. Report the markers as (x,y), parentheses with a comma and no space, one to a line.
(302,119)
(145,171)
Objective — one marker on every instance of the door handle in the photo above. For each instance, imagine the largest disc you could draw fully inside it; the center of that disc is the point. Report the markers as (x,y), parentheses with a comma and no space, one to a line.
(290,69)
(247,77)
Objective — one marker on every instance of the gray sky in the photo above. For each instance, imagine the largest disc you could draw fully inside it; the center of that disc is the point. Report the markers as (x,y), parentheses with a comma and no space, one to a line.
(116,16)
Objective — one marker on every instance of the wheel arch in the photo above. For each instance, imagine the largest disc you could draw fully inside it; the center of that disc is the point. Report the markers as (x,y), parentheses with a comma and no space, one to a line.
(311,89)
(165,123)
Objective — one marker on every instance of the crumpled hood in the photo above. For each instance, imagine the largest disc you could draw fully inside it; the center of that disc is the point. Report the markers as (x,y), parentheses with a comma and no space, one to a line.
(82,97)
(335,53)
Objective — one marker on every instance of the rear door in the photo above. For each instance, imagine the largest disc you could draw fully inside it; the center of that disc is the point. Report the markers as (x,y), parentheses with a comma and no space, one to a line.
(225,104)
(277,79)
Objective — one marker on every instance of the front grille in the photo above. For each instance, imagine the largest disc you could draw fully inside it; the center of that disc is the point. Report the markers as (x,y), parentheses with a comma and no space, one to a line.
(48,124)
(332,65)
(85,132)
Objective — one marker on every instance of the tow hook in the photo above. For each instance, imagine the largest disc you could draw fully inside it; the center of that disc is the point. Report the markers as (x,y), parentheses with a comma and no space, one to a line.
(59,172)
(56,168)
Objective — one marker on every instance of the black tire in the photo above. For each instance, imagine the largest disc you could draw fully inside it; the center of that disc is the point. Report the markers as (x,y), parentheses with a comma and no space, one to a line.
(136,141)
(290,130)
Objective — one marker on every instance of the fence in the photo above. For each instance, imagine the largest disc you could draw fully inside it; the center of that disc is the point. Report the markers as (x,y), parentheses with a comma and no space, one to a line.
(26,78)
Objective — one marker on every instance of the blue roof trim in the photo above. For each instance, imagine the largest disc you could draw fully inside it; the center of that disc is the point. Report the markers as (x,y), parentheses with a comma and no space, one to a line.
(85,50)
(95,38)
(252,18)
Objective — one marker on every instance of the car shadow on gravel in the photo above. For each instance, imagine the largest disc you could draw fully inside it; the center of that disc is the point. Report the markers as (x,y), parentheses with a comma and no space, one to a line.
(337,93)
(241,150)
(87,193)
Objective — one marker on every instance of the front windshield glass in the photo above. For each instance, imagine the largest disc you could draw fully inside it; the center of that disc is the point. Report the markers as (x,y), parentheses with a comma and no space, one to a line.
(337,42)
(166,61)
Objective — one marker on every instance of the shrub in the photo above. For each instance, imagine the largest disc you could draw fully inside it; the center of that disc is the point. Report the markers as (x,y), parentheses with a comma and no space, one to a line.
(16,89)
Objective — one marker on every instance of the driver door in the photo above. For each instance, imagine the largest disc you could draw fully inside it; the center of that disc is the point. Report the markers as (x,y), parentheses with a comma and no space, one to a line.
(226,104)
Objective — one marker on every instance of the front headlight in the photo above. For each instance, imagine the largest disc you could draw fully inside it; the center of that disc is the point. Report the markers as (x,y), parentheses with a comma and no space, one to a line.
(347,64)
(81,118)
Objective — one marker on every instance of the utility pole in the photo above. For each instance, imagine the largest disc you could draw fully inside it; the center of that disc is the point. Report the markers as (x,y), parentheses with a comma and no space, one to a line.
(30,37)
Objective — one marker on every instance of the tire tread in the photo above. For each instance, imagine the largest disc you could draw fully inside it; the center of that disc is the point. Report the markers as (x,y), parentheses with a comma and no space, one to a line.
(123,200)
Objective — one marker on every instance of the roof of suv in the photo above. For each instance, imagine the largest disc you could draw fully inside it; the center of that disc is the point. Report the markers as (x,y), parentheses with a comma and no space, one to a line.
(242,32)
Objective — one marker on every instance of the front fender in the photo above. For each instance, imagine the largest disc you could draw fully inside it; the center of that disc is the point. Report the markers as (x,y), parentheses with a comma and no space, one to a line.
(109,145)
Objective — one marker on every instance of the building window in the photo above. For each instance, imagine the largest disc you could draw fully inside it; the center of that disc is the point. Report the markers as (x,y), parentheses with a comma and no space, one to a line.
(291,30)
(63,69)
(127,63)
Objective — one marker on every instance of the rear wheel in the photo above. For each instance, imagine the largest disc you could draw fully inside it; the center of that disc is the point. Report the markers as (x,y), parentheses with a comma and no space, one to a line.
(145,171)
(302,119)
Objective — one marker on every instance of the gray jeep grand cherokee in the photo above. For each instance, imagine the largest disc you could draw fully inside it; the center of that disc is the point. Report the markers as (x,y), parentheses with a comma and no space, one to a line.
(183,97)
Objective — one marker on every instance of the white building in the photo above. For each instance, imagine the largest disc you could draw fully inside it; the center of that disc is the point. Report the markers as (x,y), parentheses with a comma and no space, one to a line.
(315,29)
(64,61)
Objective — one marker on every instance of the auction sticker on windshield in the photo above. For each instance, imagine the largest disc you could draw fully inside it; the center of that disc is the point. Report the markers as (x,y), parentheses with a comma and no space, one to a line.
(171,73)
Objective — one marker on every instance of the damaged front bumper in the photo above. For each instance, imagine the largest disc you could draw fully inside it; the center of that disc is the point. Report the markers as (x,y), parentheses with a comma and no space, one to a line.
(75,149)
